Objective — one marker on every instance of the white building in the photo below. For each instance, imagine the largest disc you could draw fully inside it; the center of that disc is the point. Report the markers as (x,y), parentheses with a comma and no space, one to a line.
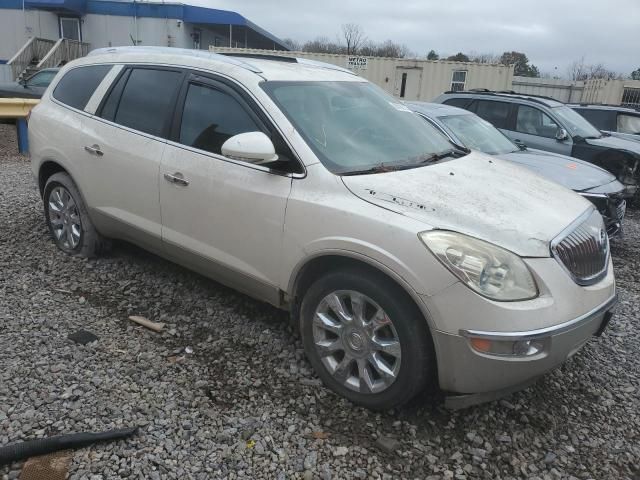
(105,23)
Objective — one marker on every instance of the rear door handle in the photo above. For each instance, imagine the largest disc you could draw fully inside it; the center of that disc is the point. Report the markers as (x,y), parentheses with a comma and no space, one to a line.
(94,150)
(176,178)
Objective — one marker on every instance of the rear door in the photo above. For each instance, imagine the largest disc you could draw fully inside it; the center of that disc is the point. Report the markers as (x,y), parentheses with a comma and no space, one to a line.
(122,152)
(223,217)
(536,129)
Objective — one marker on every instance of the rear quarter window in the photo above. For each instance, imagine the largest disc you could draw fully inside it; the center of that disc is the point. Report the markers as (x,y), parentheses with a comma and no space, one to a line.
(601,119)
(77,85)
(494,112)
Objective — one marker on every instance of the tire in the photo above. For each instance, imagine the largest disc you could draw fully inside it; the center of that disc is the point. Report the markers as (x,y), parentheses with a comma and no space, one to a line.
(67,218)
(372,387)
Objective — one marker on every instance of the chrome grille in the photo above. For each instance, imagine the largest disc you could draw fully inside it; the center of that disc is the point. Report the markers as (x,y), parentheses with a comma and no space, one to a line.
(621,209)
(583,249)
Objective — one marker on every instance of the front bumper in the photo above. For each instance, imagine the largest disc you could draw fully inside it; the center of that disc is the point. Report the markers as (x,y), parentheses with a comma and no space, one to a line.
(485,377)
(612,208)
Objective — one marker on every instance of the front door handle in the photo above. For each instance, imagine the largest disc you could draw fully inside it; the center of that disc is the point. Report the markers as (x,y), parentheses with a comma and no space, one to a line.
(176,178)
(94,150)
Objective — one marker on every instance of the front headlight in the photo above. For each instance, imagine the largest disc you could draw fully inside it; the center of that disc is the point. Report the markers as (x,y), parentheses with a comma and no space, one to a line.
(487,269)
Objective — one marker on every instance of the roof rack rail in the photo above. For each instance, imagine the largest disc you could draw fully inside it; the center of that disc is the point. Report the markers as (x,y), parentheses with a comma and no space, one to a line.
(175,51)
(485,91)
(325,65)
(266,56)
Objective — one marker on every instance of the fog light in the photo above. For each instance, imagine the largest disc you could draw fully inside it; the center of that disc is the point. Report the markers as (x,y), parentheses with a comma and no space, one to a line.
(513,348)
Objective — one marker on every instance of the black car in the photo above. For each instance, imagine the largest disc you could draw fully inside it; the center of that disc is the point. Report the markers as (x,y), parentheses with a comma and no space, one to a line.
(618,121)
(592,182)
(32,87)
(546,124)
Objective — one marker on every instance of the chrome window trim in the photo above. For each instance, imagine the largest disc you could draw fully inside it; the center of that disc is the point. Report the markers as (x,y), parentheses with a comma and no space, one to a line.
(547,331)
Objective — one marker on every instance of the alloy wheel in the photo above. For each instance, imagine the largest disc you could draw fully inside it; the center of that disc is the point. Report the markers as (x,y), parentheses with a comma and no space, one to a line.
(64,218)
(356,341)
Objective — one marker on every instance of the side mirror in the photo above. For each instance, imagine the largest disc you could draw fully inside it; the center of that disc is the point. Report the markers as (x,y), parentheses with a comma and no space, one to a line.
(251,147)
(561,135)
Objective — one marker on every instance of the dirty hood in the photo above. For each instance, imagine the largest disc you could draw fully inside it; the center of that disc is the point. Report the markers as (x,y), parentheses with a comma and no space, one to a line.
(485,197)
(569,172)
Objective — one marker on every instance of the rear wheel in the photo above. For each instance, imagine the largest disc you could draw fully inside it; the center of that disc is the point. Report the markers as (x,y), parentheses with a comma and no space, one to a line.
(366,339)
(68,220)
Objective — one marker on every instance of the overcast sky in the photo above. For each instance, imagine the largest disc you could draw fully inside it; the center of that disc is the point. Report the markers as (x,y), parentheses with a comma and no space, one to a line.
(553,33)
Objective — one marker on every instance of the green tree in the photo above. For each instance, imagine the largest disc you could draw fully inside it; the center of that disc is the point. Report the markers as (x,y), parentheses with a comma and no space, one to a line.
(520,62)
(635,75)
(458,57)
(432,55)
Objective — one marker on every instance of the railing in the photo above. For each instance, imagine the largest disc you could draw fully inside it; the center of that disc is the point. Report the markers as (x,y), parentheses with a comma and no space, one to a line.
(18,109)
(63,51)
(34,49)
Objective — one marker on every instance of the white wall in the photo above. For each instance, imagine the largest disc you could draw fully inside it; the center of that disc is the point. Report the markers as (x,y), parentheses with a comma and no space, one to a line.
(113,31)
(562,90)
(569,91)
(99,31)
(435,75)
(17,26)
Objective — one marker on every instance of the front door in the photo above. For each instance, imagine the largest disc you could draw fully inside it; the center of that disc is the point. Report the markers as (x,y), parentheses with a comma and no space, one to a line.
(222,217)
(536,129)
(408,83)
(70,28)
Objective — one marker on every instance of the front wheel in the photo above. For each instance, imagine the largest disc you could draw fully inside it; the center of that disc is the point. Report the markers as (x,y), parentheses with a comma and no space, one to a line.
(366,339)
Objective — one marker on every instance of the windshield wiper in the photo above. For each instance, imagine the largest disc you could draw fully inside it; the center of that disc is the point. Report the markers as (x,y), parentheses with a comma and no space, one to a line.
(417,161)
(380,168)
(436,157)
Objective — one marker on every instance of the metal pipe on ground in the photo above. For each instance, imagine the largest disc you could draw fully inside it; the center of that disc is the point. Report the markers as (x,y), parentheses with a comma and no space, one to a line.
(42,446)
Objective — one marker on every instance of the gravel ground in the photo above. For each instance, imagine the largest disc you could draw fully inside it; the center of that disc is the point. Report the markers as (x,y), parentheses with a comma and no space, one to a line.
(244,403)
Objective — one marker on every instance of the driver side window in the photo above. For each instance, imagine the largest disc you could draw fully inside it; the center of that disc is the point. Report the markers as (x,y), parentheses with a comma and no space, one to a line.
(210,117)
(533,121)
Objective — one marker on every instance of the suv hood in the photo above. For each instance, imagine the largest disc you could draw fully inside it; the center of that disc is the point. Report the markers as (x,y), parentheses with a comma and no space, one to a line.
(481,196)
(569,172)
(616,143)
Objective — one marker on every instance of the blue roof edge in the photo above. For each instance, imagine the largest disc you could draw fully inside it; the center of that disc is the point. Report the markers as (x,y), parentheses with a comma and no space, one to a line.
(179,11)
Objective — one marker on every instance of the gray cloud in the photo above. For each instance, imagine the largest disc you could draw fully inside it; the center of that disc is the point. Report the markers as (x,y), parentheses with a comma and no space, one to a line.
(553,33)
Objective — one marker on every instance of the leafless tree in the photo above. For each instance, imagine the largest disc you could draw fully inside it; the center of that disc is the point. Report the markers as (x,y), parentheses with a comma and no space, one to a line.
(322,45)
(579,70)
(353,37)
(484,57)
(292,44)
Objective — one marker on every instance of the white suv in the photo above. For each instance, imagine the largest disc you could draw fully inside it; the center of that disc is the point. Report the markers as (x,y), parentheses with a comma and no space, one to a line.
(405,261)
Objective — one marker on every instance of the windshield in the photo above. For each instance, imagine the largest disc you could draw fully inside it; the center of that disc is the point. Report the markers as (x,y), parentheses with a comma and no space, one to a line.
(41,79)
(576,123)
(355,126)
(478,134)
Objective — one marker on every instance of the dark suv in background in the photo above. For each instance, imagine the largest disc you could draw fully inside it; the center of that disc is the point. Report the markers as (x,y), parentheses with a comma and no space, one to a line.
(546,124)
(618,121)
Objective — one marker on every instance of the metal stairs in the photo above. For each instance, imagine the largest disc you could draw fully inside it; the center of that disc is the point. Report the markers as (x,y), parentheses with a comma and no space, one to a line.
(38,53)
